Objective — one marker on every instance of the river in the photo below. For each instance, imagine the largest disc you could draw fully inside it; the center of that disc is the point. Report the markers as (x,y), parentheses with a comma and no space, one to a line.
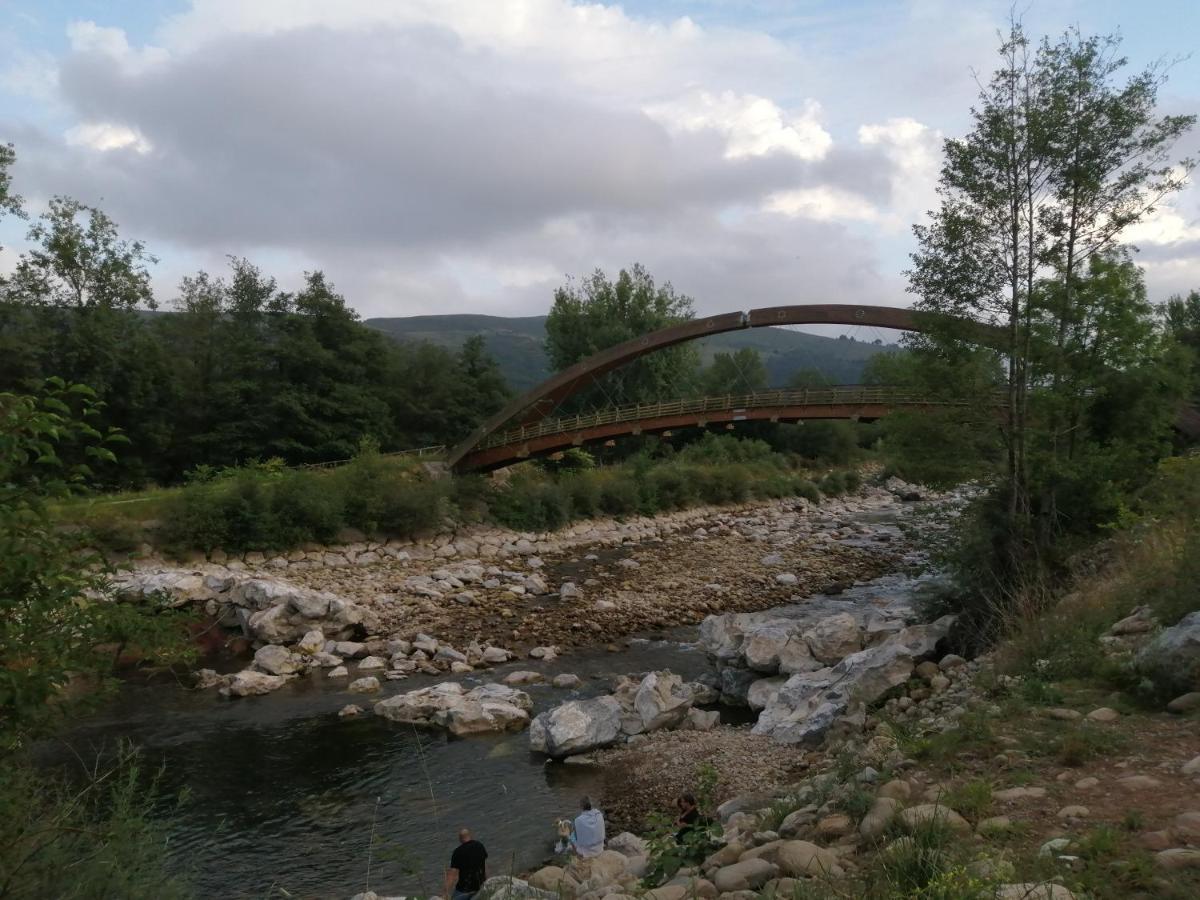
(284,796)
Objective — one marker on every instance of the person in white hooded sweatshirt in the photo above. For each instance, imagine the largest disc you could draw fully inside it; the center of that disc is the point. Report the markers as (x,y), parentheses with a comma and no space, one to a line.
(588,838)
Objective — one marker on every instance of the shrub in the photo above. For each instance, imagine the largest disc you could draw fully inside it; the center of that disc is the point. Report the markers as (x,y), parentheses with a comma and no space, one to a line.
(583,494)
(531,504)
(307,507)
(411,508)
(806,489)
(673,485)
(833,484)
(618,496)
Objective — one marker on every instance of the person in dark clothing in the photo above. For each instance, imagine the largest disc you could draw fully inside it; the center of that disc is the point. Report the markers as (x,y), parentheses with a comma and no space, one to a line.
(468,868)
(689,817)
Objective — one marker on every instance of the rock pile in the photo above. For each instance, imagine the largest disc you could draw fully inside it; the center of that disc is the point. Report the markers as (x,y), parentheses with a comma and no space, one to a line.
(659,700)
(806,667)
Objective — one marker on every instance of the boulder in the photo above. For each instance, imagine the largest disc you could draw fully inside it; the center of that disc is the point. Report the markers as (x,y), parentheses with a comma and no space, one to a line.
(365,685)
(249,683)
(744,876)
(802,858)
(576,727)
(554,879)
(924,813)
(487,708)
(834,637)
(566,681)
(702,720)
(661,701)
(312,643)
(505,887)
(1173,656)
(523,677)
(628,844)
(304,610)
(495,655)
(809,703)
(763,691)
(879,818)
(276,660)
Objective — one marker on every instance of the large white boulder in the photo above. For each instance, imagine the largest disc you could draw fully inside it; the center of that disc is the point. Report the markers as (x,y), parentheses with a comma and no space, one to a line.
(576,727)
(1174,654)
(249,683)
(661,701)
(276,660)
(487,708)
(809,703)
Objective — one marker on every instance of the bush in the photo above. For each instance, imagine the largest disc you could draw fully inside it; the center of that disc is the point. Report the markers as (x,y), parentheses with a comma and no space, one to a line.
(618,496)
(806,489)
(673,485)
(531,504)
(306,508)
(833,484)
(583,493)
(104,838)
(411,508)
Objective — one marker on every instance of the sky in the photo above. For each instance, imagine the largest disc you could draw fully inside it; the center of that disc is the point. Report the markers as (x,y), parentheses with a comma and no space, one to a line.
(467,156)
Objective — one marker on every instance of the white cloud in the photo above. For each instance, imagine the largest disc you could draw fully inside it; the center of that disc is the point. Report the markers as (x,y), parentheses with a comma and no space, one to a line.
(105,136)
(824,204)
(752,126)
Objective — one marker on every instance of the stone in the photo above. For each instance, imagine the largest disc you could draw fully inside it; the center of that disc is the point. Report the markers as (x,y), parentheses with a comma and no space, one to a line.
(576,727)
(1103,714)
(551,878)
(546,653)
(808,704)
(744,876)
(348,710)
(702,720)
(1191,767)
(249,683)
(787,579)
(1045,891)
(923,813)
(1008,795)
(927,669)
(763,691)
(1139,621)
(661,701)
(1185,703)
(1053,846)
(834,826)
(338,672)
(1177,858)
(1138,782)
(1174,654)
(523,677)
(939,683)
(897,789)
(1086,784)
(566,681)
(952,661)
(1074,812)
(801,858)
(1156,840)
(368,663)
(366,685)
(276,660)
(994,825)
(350,649)
(312,643)
(506,887)
(1187,825)
(879,818)
(484,709)
(628,844)
(495,655)
(834,637)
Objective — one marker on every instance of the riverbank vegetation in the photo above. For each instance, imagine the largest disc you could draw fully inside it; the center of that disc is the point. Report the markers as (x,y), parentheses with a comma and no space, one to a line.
(268,507)
(62,635)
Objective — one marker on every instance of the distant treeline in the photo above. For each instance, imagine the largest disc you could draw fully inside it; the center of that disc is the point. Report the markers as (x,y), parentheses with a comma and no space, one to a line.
(242,370)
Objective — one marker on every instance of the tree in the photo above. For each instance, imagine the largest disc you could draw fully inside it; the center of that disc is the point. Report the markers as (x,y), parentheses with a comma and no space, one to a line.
(740,372)
(1059,161)
(82,264)
(808,377)
(600,313)
(10,203)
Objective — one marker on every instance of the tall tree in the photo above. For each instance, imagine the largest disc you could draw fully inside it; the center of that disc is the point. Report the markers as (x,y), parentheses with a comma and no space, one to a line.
(740,372)
(599,313)
(1059,161)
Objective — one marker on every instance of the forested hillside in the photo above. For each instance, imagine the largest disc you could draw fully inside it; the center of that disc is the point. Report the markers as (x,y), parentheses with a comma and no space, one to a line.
(517,346)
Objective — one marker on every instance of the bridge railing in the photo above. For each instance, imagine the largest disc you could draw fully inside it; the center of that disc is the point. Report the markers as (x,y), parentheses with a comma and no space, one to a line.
(831,396)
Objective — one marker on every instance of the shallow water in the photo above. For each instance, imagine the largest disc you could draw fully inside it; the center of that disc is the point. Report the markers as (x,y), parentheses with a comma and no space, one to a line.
(284,794)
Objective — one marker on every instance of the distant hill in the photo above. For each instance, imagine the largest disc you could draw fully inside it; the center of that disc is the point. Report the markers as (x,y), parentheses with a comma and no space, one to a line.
(516,345)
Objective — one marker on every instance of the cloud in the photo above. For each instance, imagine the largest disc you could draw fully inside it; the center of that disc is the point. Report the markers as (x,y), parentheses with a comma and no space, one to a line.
(440,155)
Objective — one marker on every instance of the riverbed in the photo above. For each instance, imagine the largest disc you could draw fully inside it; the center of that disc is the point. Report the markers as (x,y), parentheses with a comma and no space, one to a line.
(284,795)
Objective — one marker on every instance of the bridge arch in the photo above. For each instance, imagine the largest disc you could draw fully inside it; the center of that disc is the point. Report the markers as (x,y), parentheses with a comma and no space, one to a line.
(550,394)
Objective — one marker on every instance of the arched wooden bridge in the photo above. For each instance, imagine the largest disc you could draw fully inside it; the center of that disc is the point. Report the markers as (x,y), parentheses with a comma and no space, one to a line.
(527,426)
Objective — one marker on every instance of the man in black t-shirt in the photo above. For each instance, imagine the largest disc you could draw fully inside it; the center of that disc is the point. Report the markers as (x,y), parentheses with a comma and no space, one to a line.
(468,868)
